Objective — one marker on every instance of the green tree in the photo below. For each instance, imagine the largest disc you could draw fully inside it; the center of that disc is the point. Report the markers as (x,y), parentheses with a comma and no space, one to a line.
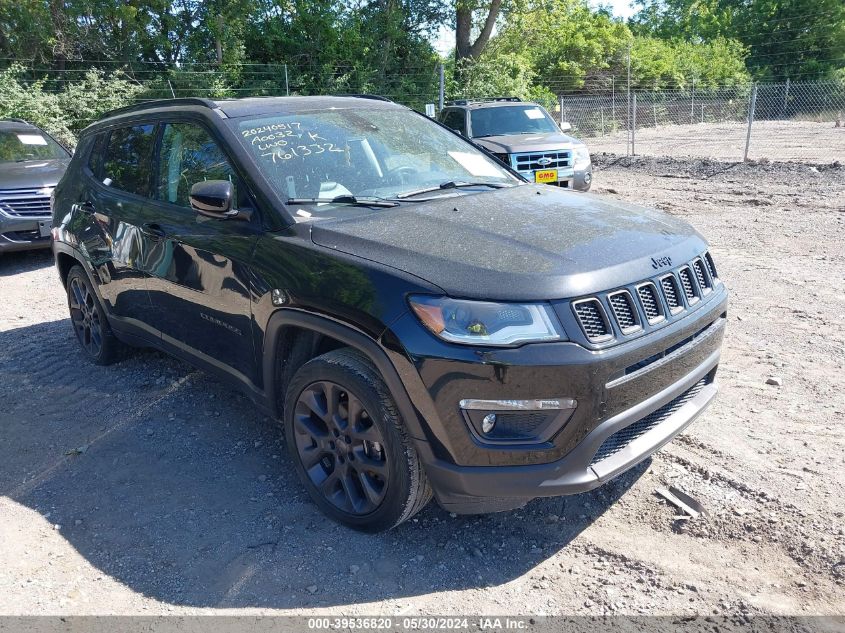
(797,39)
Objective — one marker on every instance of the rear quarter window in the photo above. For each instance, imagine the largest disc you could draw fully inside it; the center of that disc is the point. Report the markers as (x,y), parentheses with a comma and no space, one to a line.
(128,157)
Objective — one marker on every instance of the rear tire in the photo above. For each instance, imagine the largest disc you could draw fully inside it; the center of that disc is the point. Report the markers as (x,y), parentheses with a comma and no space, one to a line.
(349,443)
(89,320)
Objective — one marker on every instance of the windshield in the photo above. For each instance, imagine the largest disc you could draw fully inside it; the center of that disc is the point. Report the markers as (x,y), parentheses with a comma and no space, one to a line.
(365,153)
(28,144)
(518,119)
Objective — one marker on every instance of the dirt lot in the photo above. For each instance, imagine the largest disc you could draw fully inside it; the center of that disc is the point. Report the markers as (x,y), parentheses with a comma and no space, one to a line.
(805,141)
(148,487)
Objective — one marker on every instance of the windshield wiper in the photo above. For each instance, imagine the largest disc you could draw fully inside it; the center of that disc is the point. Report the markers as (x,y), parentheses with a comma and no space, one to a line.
(452,184)
(346,199)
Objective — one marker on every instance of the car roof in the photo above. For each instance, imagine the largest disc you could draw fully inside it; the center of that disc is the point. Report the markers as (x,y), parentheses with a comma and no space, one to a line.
(250,106)
(17,124)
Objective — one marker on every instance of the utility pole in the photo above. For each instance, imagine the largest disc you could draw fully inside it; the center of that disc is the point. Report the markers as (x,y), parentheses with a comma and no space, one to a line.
(628,122)
(442,96)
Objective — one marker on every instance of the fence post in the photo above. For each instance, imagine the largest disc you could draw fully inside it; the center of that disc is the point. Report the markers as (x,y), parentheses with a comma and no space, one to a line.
(634,125)
(602,121)
(442,94)
(751,107)
(702,113)
(287,85)
(613,98)
(692,103)
(786,99)
(654,109)
(172,91)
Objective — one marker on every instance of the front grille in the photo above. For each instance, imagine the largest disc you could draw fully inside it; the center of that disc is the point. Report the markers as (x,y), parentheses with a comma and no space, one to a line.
(647,305)
(623,309)
(650,302)
(591,317)
(25,203)
(623,437)
(690,290)
(532,161)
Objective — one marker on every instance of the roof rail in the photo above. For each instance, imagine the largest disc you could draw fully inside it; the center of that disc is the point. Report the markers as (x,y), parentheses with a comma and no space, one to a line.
(157,103)
(13,120)
(375,97)
(460,102)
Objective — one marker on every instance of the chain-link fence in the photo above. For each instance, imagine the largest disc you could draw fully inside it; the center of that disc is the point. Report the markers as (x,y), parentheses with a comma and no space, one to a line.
(802,122)
(789,122)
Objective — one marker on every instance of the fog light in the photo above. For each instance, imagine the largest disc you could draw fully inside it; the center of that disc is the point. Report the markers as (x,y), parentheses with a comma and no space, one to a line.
(488,422)
(588,178)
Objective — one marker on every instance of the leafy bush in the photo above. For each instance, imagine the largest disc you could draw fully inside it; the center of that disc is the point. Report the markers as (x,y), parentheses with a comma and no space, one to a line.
(66,112)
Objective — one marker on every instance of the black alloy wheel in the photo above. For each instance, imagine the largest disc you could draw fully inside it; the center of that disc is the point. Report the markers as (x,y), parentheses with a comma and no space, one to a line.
(89,320)
(349,443)
(85,317)
(340,448)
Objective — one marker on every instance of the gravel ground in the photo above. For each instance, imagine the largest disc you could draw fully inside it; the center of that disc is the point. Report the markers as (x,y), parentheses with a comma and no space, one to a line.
(804,141)
(148,487)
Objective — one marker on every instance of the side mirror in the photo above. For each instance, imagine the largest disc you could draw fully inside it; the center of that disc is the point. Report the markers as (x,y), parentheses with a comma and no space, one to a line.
(213,199)
(565,126)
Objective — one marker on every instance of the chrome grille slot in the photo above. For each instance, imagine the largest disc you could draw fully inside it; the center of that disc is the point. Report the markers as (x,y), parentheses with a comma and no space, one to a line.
(688,284)
(25,203)
(701,276)
(711,267)
(533,161)
(650,302)
(593,321)
(623,308)
(672,293)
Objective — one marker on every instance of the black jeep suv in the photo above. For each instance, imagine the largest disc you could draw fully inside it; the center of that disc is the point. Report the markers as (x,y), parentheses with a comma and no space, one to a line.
(421,319)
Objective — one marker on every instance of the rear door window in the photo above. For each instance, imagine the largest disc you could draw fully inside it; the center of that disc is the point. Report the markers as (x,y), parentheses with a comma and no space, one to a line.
(126,165)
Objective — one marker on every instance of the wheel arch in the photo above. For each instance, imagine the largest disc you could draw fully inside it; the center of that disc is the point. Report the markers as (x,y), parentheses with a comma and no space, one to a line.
(293,337)
(64,262)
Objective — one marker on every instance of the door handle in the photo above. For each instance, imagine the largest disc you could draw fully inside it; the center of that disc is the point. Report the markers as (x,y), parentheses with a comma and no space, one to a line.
(86,208)
(153,231)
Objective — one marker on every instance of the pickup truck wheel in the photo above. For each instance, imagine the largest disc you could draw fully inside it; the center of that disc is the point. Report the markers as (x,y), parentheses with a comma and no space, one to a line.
(89,320)
(349,443)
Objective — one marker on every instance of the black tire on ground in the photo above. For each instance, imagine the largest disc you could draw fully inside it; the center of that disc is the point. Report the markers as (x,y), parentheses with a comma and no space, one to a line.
(89,321)
(349,443)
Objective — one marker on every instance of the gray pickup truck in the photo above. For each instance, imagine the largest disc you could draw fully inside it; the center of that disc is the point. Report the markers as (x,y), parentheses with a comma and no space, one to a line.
(525,136)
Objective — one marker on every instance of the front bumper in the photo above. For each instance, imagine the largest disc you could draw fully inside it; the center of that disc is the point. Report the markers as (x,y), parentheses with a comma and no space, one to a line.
(467,489)
(580,179)
(624,413)
(22,234)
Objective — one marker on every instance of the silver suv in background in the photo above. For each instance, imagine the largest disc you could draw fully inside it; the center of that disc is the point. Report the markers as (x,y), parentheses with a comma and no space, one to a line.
(31,164)
(524,136)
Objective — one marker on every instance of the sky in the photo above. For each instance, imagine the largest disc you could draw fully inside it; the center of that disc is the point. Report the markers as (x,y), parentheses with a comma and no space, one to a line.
(445,41)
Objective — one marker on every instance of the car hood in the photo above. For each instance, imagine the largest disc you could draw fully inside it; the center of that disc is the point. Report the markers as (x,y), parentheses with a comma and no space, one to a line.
(515,143)
(32,173)
(522,243)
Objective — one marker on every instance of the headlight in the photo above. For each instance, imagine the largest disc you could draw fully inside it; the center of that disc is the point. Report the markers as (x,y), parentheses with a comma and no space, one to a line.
(582,154)
(487,323)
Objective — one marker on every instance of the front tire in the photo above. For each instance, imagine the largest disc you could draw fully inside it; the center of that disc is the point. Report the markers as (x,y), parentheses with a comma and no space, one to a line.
(89,320)
(349,443)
